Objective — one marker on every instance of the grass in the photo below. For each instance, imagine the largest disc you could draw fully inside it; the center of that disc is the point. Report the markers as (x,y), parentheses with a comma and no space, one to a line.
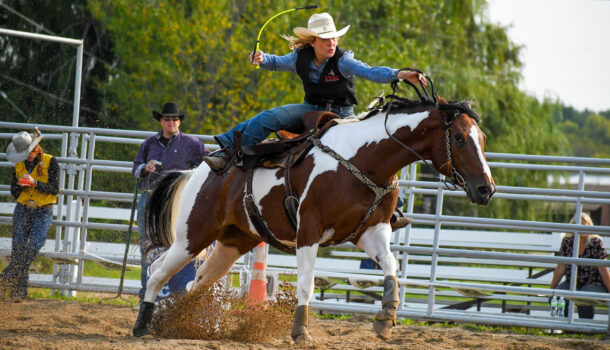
(93,269)
(85,297)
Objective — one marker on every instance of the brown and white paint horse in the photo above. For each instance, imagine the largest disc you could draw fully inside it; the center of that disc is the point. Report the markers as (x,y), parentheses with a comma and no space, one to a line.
(199,207)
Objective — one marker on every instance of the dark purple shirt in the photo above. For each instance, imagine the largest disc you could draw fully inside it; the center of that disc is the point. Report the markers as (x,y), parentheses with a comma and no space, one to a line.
(182,152)
(594,249)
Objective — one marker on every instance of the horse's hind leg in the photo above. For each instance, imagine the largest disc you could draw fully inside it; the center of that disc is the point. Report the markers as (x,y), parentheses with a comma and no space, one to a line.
(218,264)
(375,241)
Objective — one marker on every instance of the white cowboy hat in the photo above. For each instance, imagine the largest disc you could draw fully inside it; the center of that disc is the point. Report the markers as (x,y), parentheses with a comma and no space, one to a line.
(21,146)
(320,25)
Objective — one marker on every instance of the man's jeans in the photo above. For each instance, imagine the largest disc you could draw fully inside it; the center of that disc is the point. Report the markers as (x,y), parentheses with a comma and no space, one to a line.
(141,239)
(30,229)
(288,117)
(584,311)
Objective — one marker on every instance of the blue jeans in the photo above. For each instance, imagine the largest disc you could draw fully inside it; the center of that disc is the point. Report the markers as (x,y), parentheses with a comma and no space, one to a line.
(142,238)
(30,229)
(584,311)
(287,117)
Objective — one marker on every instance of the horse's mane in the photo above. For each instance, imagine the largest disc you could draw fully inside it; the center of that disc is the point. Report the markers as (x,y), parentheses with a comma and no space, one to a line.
(397,104)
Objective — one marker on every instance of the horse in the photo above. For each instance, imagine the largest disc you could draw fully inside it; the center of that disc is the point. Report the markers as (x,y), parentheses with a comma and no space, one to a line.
(347,189)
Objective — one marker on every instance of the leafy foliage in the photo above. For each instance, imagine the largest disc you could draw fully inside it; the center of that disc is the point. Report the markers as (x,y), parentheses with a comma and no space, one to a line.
(195,52)
(587,132)
(142,53)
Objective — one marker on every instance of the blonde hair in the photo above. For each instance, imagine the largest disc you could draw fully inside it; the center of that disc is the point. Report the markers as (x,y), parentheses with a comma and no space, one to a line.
(38,151)
(585,219)
(298,42)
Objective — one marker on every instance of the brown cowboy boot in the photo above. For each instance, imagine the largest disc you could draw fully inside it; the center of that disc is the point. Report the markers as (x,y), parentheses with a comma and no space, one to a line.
(216,163)
(398,222)
(220,161)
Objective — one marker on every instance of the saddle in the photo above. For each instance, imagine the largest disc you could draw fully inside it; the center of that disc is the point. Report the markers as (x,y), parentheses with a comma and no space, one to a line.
(283,153)
(274,153)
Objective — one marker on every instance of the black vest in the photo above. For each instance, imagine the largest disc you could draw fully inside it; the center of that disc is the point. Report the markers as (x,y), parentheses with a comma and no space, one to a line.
(332,85)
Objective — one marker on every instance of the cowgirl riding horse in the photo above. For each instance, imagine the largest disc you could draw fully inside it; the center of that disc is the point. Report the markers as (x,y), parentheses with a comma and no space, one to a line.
(347,190)
(327,72)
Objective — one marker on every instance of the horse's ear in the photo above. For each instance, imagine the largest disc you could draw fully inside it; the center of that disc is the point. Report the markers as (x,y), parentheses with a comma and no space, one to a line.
(440,100)
(468,104)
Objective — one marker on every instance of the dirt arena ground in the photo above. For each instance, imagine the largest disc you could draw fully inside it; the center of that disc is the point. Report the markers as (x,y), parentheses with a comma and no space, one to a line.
(50,324)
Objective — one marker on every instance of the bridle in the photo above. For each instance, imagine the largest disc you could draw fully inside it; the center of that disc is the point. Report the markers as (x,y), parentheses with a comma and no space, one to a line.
(456,181)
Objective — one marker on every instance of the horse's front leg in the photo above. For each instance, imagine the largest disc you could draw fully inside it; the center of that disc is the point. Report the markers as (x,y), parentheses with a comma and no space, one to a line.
(375,241)
(306,258)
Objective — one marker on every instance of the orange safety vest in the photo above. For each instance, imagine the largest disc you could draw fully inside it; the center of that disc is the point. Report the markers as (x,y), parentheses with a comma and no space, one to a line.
(31,193)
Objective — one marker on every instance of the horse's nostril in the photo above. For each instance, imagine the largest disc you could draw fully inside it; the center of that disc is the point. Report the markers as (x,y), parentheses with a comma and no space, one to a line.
(484,190)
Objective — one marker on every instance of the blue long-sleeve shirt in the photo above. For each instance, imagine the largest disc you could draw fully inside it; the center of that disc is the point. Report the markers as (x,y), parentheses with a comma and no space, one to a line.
(182,152)
(348,67)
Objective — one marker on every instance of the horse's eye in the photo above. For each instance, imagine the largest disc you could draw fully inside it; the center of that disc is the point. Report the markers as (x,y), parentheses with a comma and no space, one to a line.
(460,139)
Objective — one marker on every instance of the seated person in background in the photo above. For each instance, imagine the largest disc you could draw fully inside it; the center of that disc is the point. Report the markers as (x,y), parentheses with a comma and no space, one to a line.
(589,278)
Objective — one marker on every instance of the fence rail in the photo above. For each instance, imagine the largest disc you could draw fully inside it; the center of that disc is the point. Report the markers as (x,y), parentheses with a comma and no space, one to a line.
(504,266)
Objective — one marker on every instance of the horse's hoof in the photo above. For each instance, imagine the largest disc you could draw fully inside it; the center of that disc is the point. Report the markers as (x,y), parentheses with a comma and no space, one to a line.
(302,339)
(140,332)
(144,318)
(383,328)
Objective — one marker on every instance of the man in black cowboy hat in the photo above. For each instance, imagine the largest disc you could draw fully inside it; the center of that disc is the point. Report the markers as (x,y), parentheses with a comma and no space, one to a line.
(169,149)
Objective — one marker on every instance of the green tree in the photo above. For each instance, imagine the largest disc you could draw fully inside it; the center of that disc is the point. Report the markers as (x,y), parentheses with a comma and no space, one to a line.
(588,134)
(195,53)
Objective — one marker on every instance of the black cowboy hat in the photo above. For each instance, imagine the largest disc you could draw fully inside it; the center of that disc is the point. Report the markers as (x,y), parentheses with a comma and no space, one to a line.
(169,109)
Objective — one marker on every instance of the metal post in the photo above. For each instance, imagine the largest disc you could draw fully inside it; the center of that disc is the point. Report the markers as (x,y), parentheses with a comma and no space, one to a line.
(435,243)
(86,200)
(77,82)
(576,245)
(76,272)
(67,243)
(404,263)
(57,268)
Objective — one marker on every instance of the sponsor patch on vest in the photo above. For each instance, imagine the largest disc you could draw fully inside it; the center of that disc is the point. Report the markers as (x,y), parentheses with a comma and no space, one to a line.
(331,77)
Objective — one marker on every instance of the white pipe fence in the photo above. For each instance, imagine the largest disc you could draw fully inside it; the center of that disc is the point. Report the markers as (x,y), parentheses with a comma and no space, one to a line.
(425,203)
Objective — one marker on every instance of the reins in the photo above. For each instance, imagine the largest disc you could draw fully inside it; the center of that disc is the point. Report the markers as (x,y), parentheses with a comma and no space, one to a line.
(457,180)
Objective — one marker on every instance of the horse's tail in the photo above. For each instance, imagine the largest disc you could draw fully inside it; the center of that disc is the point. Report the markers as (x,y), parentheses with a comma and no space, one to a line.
(158,213)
